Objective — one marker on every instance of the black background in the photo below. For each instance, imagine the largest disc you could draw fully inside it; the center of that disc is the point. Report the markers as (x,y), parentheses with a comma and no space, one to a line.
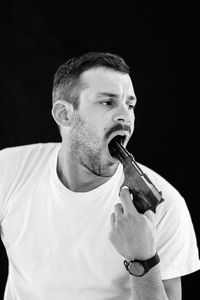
(156,42)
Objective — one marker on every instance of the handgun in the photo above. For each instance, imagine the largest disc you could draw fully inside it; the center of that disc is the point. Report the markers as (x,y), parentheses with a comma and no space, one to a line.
(145,195)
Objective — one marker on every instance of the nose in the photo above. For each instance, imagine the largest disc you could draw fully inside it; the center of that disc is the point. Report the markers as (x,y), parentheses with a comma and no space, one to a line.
(123,114)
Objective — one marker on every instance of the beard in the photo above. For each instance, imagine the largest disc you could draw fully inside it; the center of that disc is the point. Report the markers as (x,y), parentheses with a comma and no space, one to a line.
(87,148)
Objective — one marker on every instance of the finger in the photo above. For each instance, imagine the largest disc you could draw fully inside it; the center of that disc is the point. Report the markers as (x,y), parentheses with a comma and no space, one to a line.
(126,199)
(118,209)
(150,215)
(112,219)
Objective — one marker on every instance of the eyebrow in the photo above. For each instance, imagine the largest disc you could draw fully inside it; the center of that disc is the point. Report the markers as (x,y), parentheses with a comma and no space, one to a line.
(112,95)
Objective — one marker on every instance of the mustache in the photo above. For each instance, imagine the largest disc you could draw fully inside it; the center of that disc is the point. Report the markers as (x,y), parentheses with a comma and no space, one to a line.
(118,127)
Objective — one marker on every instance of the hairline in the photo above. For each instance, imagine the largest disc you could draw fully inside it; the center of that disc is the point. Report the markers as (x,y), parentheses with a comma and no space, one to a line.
(80,85)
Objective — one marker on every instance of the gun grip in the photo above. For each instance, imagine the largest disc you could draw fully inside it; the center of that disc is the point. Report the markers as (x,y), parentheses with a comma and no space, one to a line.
(140,201)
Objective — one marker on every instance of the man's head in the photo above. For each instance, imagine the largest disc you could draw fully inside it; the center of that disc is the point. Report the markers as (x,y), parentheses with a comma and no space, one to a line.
(94,100)
(67,81)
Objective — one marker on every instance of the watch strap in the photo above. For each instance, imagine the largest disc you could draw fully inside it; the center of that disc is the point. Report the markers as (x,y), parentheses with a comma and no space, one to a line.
(151,262)
(147,264)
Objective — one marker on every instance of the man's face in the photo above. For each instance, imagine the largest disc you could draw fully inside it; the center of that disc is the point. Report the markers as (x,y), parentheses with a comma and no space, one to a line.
(106,109)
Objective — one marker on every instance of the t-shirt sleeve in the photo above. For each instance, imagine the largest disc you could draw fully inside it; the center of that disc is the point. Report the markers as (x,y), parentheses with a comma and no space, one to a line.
(16,166)
(176,239)
(175,236)
(6,178)
(9,170)
(3,171)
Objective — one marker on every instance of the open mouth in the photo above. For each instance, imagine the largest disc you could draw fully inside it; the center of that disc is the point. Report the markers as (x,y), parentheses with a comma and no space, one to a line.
(119,139)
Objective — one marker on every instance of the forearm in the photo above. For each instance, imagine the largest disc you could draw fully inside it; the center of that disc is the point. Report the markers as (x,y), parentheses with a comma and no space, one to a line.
(149,286)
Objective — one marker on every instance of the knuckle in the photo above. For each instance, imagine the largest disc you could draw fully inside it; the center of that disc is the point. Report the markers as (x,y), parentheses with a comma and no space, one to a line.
(129,215)
(118,207)
(122,223)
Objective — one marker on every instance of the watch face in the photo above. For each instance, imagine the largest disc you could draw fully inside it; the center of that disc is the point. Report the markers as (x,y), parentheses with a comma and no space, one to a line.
(136,268)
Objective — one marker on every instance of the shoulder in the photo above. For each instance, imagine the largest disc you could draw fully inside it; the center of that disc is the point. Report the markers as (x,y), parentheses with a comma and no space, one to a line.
(17,159)
(19,153)
(171,195)
(19,164)
(27,148)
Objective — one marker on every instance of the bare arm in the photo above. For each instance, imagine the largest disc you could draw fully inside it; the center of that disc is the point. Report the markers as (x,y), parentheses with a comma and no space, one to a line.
(151,287)
(133,236)
(173,288)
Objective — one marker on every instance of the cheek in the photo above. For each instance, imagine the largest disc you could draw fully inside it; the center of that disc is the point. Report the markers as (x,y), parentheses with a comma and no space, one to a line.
(97,124)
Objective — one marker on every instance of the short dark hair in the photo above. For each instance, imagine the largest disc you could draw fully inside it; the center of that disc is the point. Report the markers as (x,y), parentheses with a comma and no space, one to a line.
(67,78)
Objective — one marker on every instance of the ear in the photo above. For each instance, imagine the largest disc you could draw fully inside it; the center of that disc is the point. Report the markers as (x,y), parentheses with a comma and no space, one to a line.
(61,112)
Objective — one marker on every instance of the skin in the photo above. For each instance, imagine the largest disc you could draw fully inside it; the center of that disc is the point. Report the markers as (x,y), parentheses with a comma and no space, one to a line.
(84,148)
(106,101)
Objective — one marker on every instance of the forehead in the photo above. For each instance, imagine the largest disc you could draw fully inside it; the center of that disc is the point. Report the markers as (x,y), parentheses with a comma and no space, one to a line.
(101,78)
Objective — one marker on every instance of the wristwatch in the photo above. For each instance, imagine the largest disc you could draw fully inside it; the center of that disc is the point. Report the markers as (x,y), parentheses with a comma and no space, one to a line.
(138,267)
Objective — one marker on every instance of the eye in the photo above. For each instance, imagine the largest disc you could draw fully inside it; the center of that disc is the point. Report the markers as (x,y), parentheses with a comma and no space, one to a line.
(107,102)
(132,106)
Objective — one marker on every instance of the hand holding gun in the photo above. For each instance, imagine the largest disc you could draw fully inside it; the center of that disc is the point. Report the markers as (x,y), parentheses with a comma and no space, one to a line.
(145,194)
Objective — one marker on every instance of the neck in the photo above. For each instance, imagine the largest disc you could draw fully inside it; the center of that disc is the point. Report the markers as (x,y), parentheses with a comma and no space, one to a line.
(77,177)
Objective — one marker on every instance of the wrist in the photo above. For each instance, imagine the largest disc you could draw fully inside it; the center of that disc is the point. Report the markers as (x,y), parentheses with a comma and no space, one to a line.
(149,286)
(139,268)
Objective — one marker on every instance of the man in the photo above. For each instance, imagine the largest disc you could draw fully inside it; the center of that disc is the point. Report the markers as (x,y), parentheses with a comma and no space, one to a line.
(67,225)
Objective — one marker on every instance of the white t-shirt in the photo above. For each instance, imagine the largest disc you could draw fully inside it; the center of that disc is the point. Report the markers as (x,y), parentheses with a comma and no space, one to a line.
(57,240)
